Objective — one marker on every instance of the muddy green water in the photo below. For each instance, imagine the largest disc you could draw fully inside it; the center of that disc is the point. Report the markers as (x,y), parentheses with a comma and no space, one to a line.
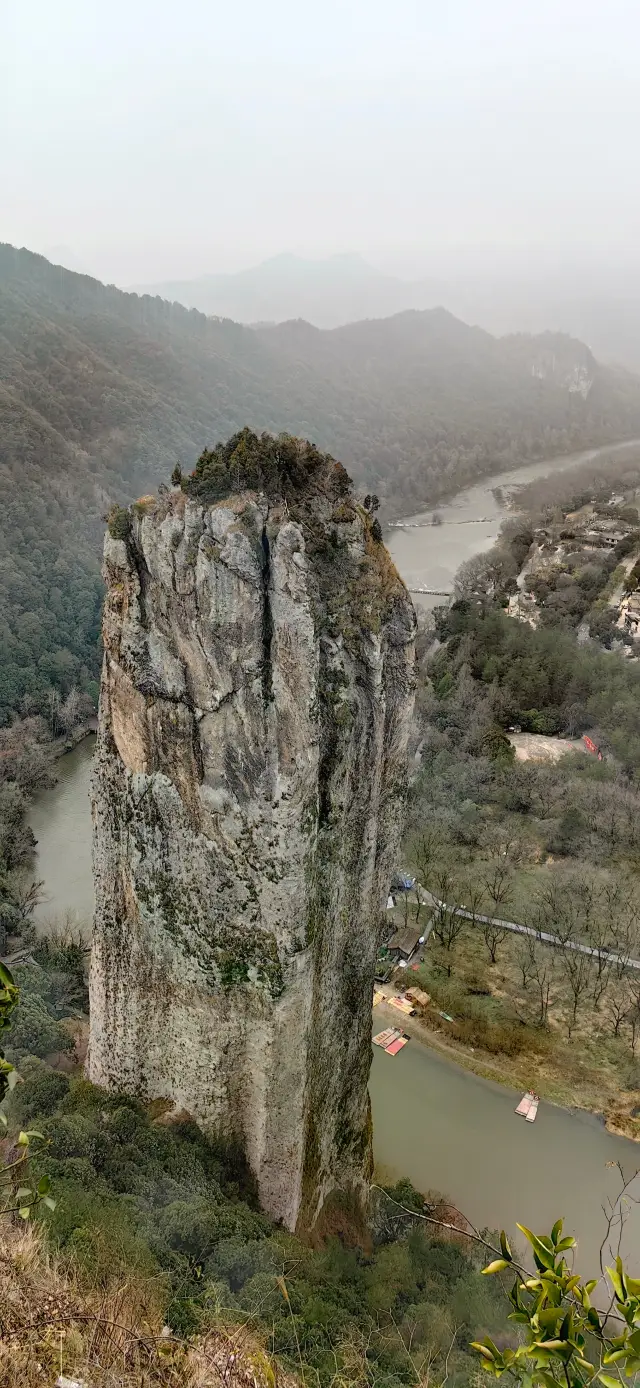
(441,1126)
(61,821)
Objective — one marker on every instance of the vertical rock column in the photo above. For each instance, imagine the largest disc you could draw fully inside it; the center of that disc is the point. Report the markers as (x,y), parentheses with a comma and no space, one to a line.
(251,763)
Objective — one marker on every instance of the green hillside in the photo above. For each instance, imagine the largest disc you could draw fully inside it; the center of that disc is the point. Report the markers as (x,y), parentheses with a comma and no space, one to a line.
(102,392)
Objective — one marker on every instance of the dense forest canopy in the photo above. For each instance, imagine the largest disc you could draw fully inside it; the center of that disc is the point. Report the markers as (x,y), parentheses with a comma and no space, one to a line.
(102,393)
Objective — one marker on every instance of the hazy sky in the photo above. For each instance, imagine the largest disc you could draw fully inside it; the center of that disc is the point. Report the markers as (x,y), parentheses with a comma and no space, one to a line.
(164,138)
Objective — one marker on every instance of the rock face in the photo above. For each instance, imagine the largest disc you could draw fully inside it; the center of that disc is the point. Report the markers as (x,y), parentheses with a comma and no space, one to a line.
(251,762)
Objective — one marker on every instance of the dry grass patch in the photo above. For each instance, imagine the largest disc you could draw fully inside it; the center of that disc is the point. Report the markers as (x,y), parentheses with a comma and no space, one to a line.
(113,1338)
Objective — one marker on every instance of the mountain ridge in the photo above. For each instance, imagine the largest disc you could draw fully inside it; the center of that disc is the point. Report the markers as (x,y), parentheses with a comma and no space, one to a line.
(289,286)
(600,307)
(103,392)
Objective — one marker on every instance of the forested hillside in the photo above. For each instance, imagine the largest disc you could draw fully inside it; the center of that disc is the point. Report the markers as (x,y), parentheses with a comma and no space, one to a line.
(101,393)
(419,404)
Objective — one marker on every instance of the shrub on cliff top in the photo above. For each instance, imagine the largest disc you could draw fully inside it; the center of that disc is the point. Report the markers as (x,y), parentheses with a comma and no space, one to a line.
(281,467)
(119,523)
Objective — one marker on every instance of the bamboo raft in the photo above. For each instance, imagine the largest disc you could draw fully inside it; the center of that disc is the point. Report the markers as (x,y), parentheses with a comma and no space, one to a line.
(391,1040)
(528,1106)
(403,1005)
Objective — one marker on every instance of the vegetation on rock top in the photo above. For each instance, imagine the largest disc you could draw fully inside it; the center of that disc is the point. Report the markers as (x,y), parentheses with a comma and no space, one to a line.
(284,468)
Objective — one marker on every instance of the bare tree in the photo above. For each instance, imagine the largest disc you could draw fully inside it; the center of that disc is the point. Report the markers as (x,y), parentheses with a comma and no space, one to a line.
(474,899)
(473,578)
(577,971)
(33,770)
(547,790)
(426,853)
(632,986)
(526,955)
(484,573)
(619,1004)
(27,896)
(553,910)
(498,887)
(628,804)
(53,710)
(448,924)
(597,928)
(543,973)
(493,935)
(70,711)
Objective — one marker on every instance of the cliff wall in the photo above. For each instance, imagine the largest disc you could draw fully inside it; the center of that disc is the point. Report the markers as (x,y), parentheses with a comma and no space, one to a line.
(250,769)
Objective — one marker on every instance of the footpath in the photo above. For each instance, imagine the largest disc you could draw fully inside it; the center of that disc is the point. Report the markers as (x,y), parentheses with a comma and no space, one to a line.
(609,956)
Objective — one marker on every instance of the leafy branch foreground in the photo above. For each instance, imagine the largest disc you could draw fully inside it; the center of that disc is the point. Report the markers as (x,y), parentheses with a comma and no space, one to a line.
(566,1339)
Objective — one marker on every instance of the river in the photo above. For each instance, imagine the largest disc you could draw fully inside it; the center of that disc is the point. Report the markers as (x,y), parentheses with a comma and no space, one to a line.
(443,1127)
(429,556)
(446,1128)
(61,821)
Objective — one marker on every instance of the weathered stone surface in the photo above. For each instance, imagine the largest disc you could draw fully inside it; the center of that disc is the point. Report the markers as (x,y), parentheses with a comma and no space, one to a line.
(251,764)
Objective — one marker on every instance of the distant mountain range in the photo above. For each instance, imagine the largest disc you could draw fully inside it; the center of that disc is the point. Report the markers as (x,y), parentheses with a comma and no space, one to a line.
(602,309)
(102,392)
(328,293)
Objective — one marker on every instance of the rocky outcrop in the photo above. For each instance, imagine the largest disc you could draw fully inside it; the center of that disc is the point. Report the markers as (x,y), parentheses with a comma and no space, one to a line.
(250,769)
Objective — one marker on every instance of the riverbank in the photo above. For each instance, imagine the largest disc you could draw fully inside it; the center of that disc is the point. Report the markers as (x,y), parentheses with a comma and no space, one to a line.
(59,746)
(524,1072)
(428,556)
(526,471)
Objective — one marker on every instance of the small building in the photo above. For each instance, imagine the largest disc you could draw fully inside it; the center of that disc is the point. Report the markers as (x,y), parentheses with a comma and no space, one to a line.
(606,533)
(418,996)
(404,943)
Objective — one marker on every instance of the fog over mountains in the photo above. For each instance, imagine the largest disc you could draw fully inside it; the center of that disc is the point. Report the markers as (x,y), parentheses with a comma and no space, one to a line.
(601,307)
